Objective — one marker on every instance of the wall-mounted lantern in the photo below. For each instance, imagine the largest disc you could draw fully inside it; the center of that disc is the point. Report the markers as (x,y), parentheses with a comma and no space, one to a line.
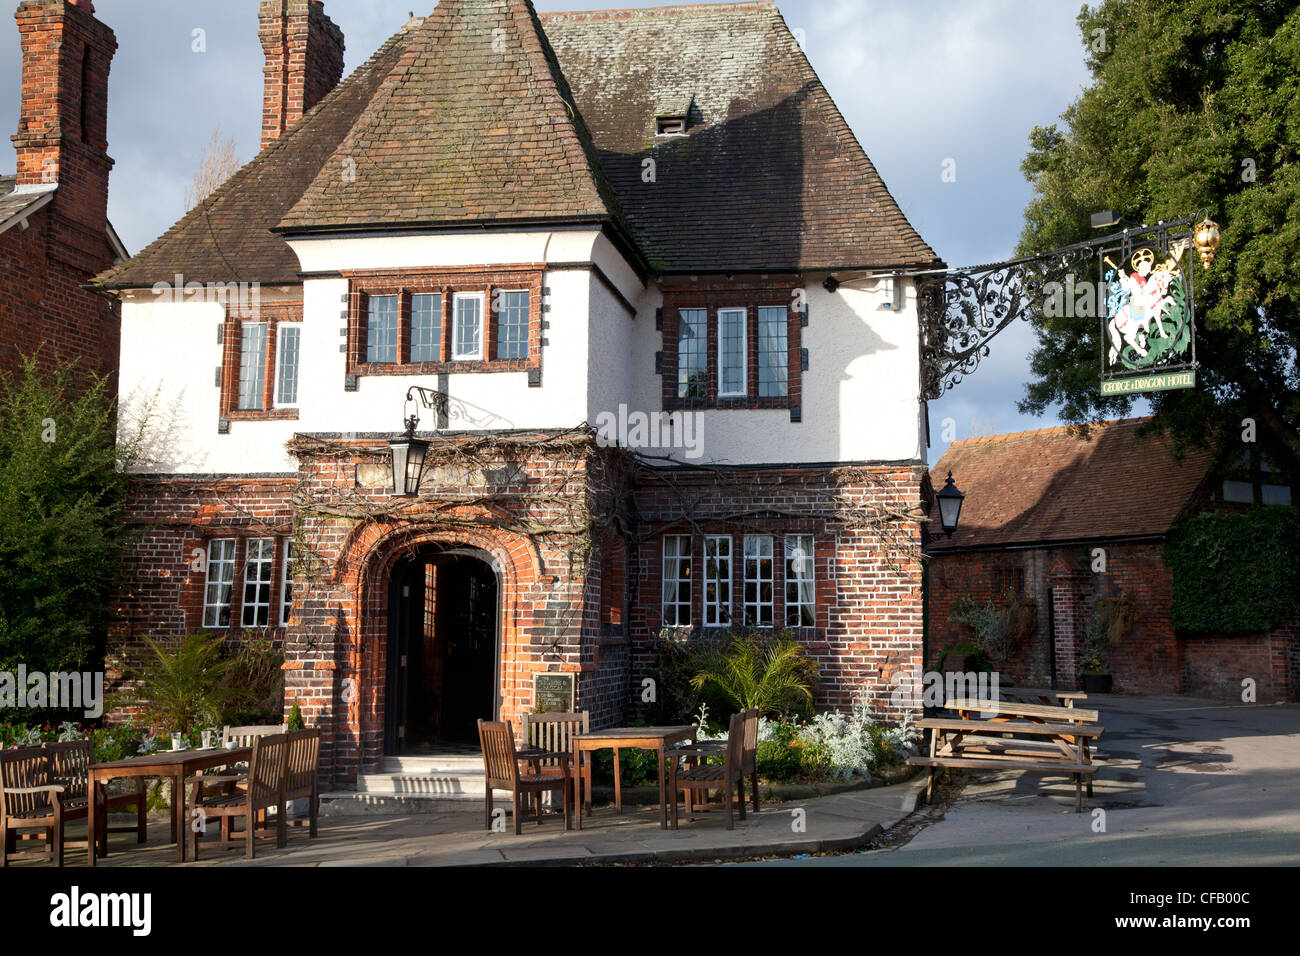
(950,499)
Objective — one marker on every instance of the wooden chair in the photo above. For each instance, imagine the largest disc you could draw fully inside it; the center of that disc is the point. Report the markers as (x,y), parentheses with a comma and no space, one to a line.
(301,774)
(729,776)
(264,788)
(554,733)
(69,765)
(30,800)
(501,770)
(701,750)
(244,736)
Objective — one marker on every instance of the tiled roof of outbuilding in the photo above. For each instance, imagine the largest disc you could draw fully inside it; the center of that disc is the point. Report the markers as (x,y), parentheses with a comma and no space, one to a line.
(1048,485)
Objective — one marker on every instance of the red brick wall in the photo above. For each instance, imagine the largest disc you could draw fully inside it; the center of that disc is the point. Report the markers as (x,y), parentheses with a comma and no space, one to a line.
(868,601)
(584,600)
(1216,665)
(43,268)
(1149,660)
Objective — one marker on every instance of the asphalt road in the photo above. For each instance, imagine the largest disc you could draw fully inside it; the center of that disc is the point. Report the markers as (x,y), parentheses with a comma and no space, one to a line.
(1185,782)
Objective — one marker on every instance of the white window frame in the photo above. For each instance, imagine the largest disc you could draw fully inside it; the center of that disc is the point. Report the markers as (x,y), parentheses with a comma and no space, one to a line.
(744,353)
(758,605)
(477,354)
(286,581)
(279,365)
(528,305)
(803,573)
(265,559)
(228,583)
(717,575)
(683,582)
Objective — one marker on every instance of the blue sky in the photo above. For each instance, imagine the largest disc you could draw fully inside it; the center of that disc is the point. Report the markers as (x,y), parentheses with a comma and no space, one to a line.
(920,84)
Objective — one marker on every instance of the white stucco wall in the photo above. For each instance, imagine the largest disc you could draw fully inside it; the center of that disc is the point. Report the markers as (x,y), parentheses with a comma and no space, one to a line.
(860,395)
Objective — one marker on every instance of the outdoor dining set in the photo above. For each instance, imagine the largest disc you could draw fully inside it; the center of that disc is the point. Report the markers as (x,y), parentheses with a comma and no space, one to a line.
(267,769)
(557,757)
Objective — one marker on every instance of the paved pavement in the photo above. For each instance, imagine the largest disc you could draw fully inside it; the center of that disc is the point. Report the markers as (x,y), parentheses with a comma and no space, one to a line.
(457,837)
(1184,782)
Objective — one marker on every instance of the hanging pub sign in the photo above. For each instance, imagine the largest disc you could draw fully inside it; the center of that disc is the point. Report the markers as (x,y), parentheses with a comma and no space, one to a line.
(1148,326)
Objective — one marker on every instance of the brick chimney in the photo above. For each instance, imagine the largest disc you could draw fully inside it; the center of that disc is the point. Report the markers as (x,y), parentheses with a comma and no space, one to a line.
(304,61)
(63,121)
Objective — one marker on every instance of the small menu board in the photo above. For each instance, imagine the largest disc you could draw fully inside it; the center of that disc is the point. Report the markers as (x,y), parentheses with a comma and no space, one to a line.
(552,693)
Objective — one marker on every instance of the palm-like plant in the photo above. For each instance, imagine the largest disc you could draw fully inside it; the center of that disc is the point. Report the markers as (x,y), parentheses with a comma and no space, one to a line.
(771,674)
(179,685)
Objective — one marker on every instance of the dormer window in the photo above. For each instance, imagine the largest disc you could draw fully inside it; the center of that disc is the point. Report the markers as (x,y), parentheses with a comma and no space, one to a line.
(673,113)
(670,125)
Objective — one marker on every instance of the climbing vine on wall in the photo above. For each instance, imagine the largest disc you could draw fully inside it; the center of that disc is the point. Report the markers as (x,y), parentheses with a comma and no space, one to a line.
(1235,573)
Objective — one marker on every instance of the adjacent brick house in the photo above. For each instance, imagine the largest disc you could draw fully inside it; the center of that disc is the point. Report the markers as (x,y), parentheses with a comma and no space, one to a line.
(54,230)
(1056,522)
(572,228)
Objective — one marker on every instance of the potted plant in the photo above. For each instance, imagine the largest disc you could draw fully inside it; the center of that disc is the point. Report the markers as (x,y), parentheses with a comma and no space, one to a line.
(1111,621)
(1096,679)
(301,806)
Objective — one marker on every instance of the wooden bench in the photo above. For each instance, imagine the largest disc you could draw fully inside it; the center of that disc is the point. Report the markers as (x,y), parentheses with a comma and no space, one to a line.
(1002,745)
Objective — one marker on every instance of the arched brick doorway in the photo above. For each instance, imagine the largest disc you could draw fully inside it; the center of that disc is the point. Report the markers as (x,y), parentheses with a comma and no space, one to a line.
(365,582)
(444,649)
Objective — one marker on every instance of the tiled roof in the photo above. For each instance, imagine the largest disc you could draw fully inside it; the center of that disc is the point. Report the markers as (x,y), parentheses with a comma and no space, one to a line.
(769,175)
(474,122)
(228,237)
(13,202)
(451,122)
(1048,485)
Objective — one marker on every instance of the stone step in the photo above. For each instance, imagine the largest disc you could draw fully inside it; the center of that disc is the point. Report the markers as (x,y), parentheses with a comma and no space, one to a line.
(353,803)
(433,784)
(440,764)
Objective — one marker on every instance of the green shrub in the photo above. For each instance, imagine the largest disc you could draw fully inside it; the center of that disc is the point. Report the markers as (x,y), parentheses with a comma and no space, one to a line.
(179,684)
(252,685)
(295,721)
(771,673)
(977,658)
(1235,573)
(777,760)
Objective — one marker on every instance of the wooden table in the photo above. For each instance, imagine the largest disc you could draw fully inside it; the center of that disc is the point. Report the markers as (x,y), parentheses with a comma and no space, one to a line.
(1044,695)
(176,765)
(616,738)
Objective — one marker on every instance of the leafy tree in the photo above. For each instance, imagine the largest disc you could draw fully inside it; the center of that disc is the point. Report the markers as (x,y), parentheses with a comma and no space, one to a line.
(62,536)
(1194,104)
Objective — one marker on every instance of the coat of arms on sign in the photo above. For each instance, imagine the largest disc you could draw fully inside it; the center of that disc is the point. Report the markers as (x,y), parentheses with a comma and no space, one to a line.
(1148,335)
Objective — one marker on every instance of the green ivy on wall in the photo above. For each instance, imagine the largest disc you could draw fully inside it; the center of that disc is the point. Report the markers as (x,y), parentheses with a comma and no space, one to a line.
(1235,573)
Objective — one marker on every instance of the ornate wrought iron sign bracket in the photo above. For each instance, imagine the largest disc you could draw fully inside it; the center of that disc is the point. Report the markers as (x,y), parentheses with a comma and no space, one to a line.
(1142,297)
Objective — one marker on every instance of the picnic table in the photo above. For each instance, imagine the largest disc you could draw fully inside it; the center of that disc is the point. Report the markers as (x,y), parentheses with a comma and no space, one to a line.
(1016,736)
(176,765)
(617,738)
(1042,695)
